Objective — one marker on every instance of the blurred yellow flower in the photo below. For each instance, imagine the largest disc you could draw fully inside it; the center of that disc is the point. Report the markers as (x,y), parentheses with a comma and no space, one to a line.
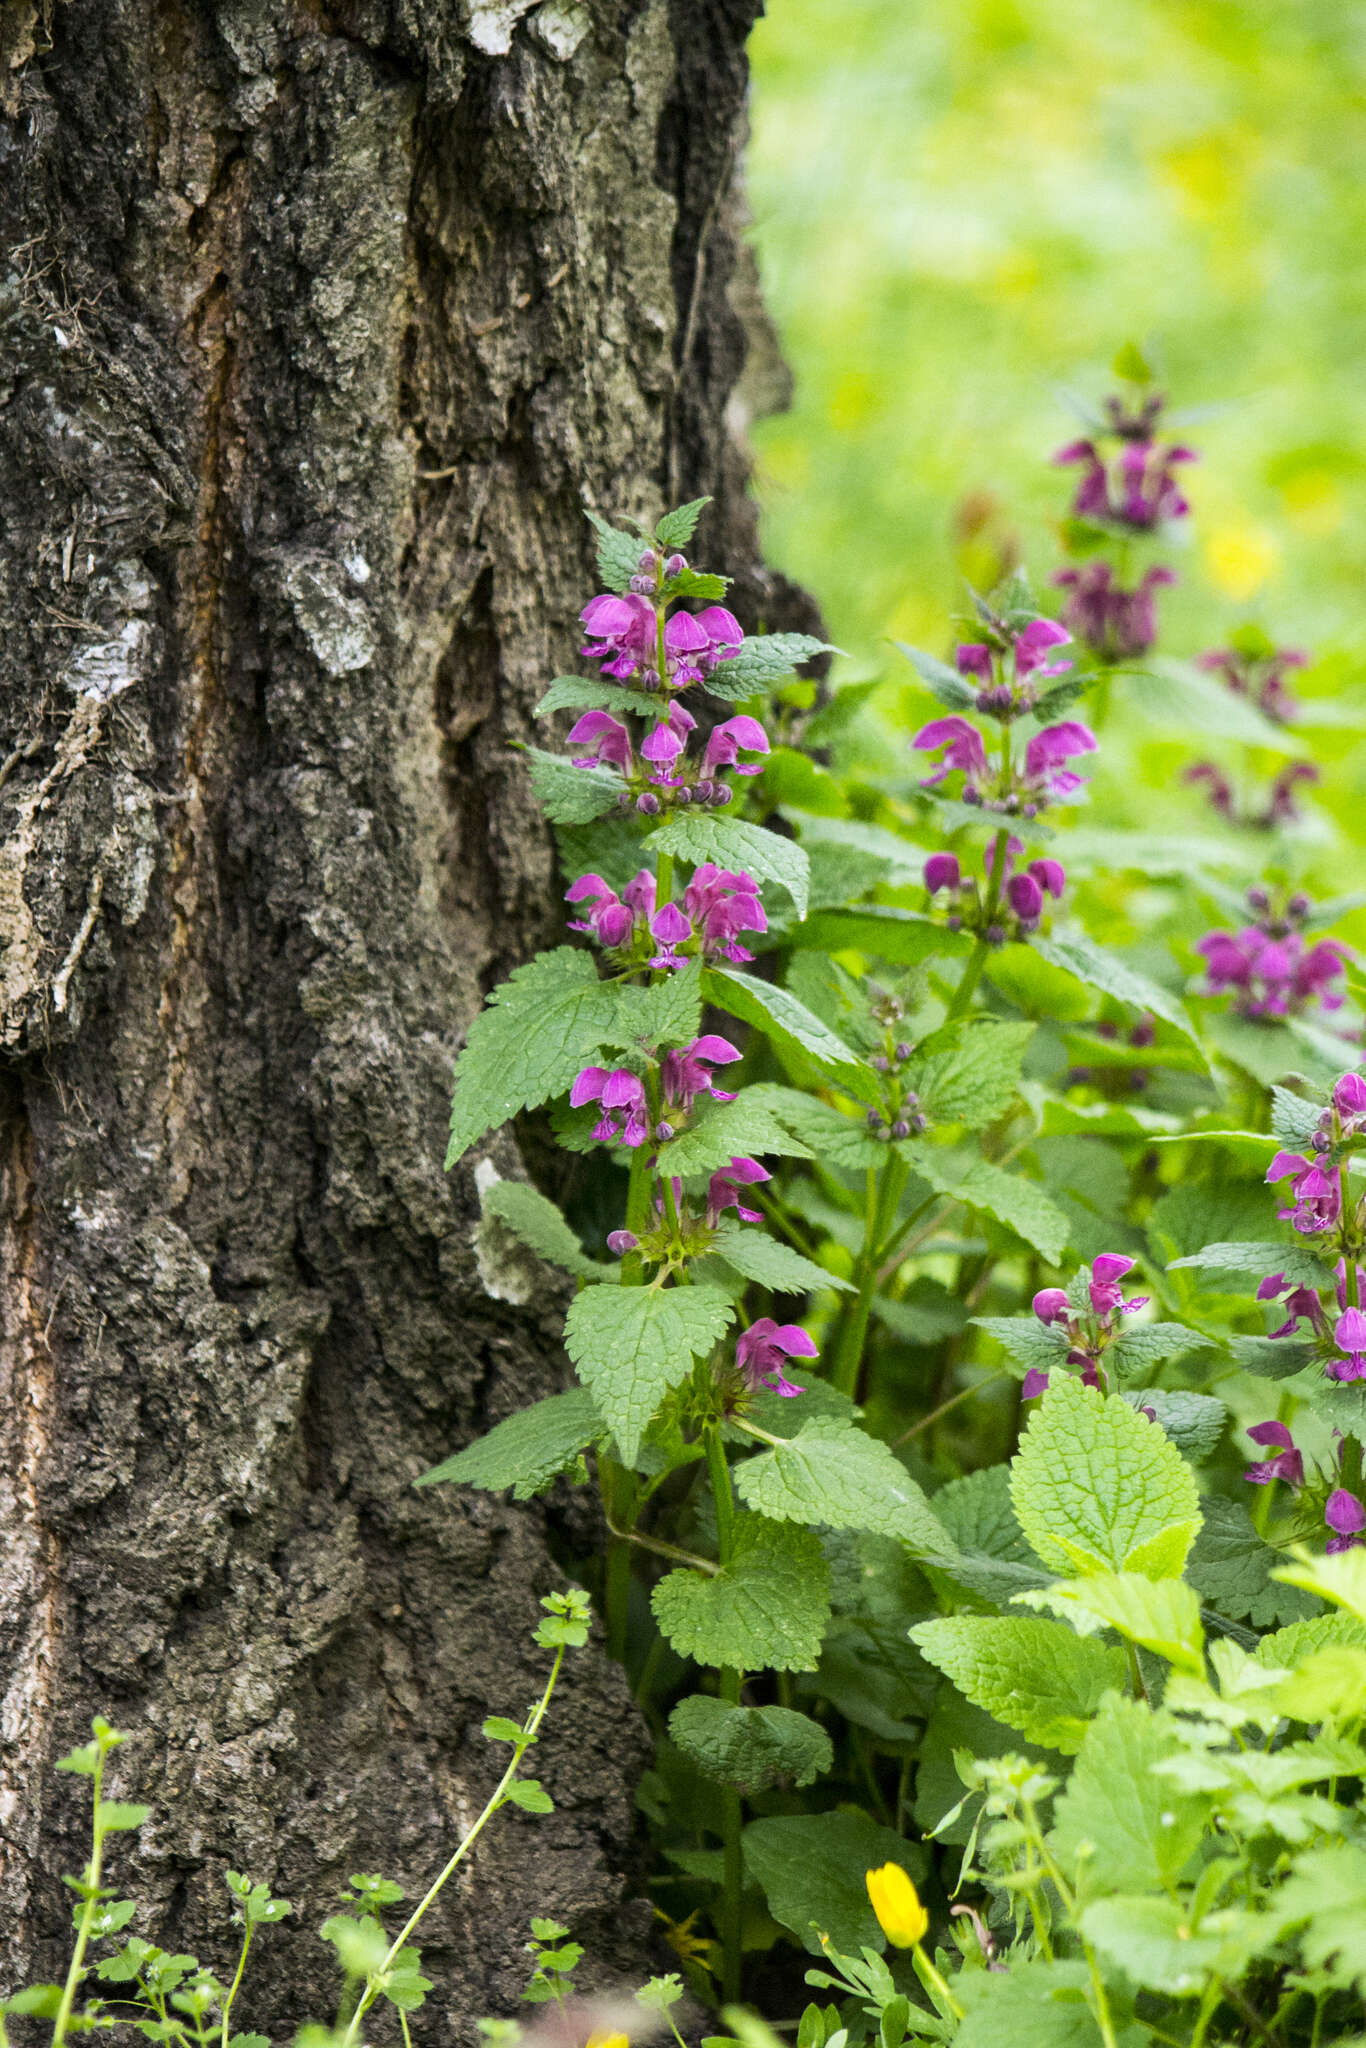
(598,2039)
(896,1902)
(1240,559)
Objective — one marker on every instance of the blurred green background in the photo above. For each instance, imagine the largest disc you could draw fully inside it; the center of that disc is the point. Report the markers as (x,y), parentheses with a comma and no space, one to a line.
(962,209)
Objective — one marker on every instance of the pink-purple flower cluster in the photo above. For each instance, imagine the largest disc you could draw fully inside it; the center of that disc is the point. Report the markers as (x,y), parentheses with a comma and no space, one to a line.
(1258,676)
(657,776)
(1010,665)
(718,904)
(1268,965)
(1088,1335)
(1118,624)
(1259,811)
(1343,1513)
(1134,486)
(1044,777)
(624,633)
(683,1076)
(764,1348)
(1011,910)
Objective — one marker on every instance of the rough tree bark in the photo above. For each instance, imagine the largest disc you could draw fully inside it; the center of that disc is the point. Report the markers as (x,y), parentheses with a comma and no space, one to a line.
(322,321)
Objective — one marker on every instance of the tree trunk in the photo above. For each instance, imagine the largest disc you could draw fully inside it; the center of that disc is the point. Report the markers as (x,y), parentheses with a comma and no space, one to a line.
(324,320)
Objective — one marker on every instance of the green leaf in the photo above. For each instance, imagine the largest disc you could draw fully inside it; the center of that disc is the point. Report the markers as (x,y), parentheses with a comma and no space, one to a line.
(568,794)
(940,680)
(751,1748)
(631,1344)
(723,1131)
(1297,1262)
(1293,1120)
(668,1012)
(593,693)
(1178,697)
(676,528)
(834,1138)
(970,1073)
(116,1814)
(526,1450)
(1141,1346)
(1038,1677)
(1286,1647)
(1032,1345)
(763,660)
(976,1510)
(80,1762)
(1193,1422)
(618,553)
(839,1477)
(766,1609)
(38,2001)
(1118,1824)
(731,843)
(1153,1942)
(1230,1566)
(793,1028)
(811,1867)
(1020,1204)
(1037,2005)
(1341,1580)
(538,1028)
(1162,1615)
(901,937)
(531,1795)
(1326,1894)
(699,583)
(1089,963)
(757,1256)
(1097,1487)
(535,1221)
(361,1945)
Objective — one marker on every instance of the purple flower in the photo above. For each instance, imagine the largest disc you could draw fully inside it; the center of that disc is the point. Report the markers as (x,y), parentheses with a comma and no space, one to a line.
(963,749)
(973,659)
(1346,1517)
(610,921)
(1260,677)
(670,929)
(723,1190)
(639,893)
(1025,898)
(1220,788)
(1349,1095)
(607,740)
(621,1241)
(724,637)
(723,902)
(623,629)
(1033,644)
(622,1095)
(1288,1464)
(661,749)
(1106,1274)
(762,1349)
(1273,976)
(1045,775)
(1349,1334)
(1051,1305)
(684,1075)
(1317,1203)
(726,741)
(1300,1303)
(942,872)
(1138,490)
(1119,624)
(1035,1382)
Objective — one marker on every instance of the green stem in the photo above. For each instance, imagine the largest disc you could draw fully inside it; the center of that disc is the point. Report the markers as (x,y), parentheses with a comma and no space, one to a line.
(496,1799)
(730,1681)
(664,879)
(967,982)
(944,1408)
(237,1980)
(930,1978)
(885,1188)
(88,1908)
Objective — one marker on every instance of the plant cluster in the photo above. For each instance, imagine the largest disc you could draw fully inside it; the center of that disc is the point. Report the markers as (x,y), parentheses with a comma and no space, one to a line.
(929,1255)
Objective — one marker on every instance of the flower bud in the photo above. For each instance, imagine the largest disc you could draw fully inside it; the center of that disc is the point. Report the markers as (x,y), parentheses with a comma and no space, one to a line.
(874,1120)
(995,935)
(620,1241)
(722,793)
(896,1903)
(942,872)
(901,1129)
(646,564)
(675,565)
(683,795)
(647,802)
(903,1050)
(643,586)
(880,1063)
(1259,898)
(663,1132)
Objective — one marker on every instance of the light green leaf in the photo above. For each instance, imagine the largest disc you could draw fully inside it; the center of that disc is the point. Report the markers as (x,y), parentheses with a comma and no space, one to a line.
(834,1138)
(1020,1204)
(1162,1615)
(632,1344)
(1341,1580)
(751,1748)
(530,1794)
(1038,1677)
(538,1028)
(763,660)
(1089,963)
(698,836)
(1178,697)
(535,1221)
(722,1131)
(1326,1895)
(970,1073)
(568,794)
(757,1256)
(115,1814)
(1154,1943)
(940,680)
(1035,2005)
(594,693)
(1118,1824)
(1230,1566)
(1193,1422)
(767,1609)
(901,937)
(618,553)
(526,1450)
(1286,1647)
(1097,1487)
(776,1012)
(676,528)
(1034,1346)
(811,1866)
(1296,1261)
(668,1012)
(839,1477)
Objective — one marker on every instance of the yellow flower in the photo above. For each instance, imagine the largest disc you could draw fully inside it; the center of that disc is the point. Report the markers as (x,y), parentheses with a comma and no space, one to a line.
(600,2040)
(896,1902)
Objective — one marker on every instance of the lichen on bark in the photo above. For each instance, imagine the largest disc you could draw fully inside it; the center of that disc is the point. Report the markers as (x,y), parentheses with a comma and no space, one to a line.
(323,325)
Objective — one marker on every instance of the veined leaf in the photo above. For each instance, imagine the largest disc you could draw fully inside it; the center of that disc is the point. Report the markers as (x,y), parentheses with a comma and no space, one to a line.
(731,843)
(526,1450)
(793,1028)
(766,1610)
(842,1478)
(632,1344)
(1038,1677)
